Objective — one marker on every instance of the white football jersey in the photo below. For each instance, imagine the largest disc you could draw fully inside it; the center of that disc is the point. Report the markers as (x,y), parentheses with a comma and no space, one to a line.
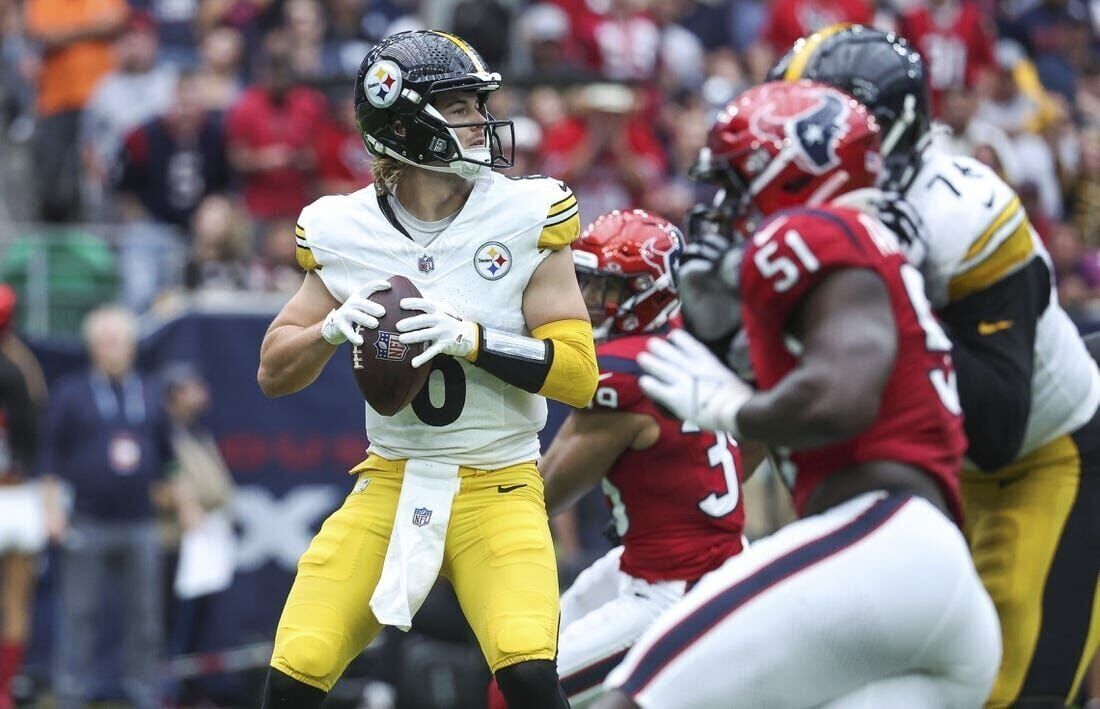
(480,265)
(977,235)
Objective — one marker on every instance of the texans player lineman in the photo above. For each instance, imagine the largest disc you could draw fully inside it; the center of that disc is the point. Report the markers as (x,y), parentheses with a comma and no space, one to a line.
(870,599)
(450,484)
(1029,390)
(674,491)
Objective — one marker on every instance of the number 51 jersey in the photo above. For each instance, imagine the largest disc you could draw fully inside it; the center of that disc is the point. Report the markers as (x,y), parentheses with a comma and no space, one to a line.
(480,265)
(918,419)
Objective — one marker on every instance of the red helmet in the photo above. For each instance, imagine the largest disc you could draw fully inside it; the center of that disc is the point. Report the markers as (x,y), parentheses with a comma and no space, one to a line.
(624,263)
(781,145)
(7,305)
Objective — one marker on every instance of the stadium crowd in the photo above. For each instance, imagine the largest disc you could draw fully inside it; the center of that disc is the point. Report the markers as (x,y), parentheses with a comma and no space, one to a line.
(200,128)
(162,149)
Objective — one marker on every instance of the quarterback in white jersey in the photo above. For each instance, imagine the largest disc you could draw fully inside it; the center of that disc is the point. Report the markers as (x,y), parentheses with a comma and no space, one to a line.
(1028,387)
(450,485)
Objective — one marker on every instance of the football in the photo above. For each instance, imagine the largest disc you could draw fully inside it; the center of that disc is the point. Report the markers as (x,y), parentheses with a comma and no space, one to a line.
(382,365)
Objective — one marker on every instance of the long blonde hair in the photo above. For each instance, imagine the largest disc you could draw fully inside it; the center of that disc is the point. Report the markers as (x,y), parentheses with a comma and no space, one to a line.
(388,173)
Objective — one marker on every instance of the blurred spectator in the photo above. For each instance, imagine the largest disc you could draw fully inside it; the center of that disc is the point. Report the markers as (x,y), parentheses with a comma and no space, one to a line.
(343,163)
(202,488)
(220,247)
(528,139)
(625,43)
(270,131)
(219,69)
(75,37)
(1076,271)
(134,92)
(22,525)
(304,21)
(275,269)
(952,37)
(1057,35)
(607,152)
(352,30)
(169,164)
(546,49)
(19,65)
(175,22)
(681,60)
(107,437)
(788,20)
(1030,199)
(487,26)
(1084,194)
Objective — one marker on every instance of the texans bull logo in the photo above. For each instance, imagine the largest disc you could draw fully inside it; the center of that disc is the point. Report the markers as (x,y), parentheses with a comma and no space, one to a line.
(813,132)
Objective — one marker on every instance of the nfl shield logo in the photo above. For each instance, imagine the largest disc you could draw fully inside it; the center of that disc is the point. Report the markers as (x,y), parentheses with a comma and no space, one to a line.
(426,264)
(387,346)
(421,516)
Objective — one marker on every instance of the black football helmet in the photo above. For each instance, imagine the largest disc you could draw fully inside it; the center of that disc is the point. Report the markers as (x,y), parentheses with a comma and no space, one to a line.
(397,82)
(884,72)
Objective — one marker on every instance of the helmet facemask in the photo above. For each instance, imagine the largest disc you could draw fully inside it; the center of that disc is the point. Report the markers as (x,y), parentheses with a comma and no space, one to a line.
(613,299)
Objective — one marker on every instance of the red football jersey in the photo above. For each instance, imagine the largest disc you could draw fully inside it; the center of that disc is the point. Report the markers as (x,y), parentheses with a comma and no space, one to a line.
(677,504)
(919,420)
(954,44)
(789,20)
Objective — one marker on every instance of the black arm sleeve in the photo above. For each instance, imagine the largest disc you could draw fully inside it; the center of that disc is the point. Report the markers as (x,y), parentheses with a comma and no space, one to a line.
(993,332)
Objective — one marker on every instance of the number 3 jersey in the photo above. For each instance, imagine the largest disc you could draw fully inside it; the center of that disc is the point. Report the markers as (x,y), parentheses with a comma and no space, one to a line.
(918,419)
(480,265)
(677,504)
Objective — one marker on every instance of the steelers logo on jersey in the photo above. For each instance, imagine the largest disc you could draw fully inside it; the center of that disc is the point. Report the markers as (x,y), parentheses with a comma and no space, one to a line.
(382,83)
(493,260)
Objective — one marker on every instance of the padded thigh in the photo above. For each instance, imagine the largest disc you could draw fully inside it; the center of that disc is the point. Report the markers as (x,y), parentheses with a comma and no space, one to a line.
(327,619)
(500,559)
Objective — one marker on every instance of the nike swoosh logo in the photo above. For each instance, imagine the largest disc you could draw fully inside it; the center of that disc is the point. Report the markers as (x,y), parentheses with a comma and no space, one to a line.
(988,328)
(989,202)
(605,375)
(509,488)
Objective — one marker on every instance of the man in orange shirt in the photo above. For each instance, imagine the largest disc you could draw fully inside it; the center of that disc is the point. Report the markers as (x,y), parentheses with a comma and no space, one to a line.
(75,37)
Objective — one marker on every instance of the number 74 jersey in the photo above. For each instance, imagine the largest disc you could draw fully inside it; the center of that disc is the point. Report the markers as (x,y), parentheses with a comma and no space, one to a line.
(919,419)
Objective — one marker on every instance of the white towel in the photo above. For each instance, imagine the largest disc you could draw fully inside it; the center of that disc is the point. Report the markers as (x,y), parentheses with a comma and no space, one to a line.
(415,552)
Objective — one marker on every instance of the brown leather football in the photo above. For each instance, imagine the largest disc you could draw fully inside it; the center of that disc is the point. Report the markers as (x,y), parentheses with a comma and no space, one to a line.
(382,365)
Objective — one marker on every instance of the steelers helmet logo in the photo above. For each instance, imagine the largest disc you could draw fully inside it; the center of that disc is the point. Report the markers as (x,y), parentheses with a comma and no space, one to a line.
(382,83)
(493,260)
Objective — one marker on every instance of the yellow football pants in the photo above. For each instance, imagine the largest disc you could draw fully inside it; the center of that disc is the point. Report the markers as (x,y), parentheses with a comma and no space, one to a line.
(498,556)
(1034,531)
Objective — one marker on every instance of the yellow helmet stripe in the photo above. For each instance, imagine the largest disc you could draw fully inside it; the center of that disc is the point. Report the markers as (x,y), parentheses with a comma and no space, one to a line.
(805,48)
(466,48)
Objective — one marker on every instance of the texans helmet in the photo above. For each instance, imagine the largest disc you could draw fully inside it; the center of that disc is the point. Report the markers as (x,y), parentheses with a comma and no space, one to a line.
(884,72)
(394,92)
(782,145)
(625,263)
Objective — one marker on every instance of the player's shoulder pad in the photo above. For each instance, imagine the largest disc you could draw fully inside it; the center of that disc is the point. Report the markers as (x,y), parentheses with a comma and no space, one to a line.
(827,231)
(618,388)
(320,226)
(557,211)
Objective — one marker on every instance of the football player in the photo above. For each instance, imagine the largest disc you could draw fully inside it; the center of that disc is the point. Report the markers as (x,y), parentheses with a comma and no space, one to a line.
(450,484)
(1029,390)
(674,490)
(871,597)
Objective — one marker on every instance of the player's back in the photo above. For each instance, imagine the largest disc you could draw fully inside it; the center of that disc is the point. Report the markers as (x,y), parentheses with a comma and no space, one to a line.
(918,419)
(676,504)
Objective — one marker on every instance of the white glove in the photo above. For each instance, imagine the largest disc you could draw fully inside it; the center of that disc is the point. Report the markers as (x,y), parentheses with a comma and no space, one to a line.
(683,375)
(358,309)
(440,326)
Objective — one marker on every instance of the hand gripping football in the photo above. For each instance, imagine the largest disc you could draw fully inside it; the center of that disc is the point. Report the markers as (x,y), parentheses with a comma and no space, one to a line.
(382,365)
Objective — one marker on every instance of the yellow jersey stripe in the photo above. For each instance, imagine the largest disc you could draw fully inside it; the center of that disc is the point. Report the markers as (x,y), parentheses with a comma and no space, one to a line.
(805,48)
(562,206)
(466,48)
(999,221)
(299,231)
(557,236)
(1004,260)
(305,259)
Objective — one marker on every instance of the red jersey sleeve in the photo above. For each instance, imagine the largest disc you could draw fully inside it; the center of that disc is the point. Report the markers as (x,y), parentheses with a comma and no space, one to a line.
(618,388)
(793,251)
